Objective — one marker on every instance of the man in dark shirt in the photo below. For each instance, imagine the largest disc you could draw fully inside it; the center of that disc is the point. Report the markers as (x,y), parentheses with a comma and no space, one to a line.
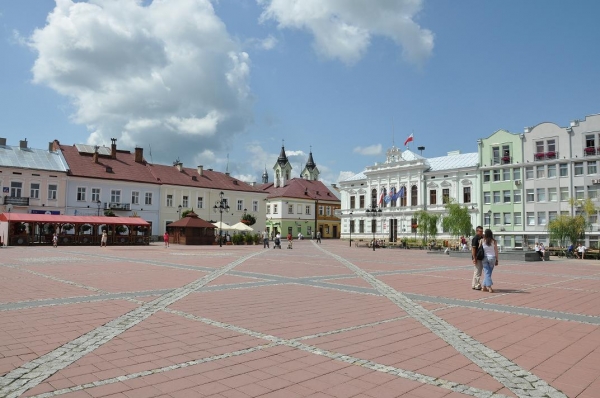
(476,284)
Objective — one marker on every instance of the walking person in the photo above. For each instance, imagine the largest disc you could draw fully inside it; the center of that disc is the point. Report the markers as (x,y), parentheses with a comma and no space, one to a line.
(166,239)
(476,283)
(265,237)
(490,260)
(103,239)
(318,236)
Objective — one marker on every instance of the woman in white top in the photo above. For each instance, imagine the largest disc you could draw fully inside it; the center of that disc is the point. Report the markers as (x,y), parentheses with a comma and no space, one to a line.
(490,260)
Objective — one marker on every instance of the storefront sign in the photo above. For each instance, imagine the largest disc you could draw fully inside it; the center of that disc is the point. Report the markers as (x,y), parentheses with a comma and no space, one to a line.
(53,212)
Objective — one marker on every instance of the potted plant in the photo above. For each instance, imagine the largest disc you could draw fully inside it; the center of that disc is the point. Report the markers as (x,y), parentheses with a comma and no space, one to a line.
(67,227)
(248,219)
(121,229)
(85,227)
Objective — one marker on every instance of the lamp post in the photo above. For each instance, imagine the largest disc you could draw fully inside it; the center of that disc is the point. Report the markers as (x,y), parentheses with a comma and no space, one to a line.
(98,203)
(350,214)
(489,218)
(221,206)
(179,212)
(373,212)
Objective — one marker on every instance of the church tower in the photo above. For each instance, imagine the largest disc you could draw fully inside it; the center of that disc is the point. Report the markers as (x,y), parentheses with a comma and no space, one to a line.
(310,171)
(283,169)
(265,176)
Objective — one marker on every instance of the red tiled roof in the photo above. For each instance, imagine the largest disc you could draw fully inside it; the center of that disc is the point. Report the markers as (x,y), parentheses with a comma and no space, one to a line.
(208,179)
(124,167)
(192,221)
(300,188)
(62,219)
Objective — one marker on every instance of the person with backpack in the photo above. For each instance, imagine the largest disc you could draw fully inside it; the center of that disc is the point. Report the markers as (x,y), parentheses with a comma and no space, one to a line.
(476,283)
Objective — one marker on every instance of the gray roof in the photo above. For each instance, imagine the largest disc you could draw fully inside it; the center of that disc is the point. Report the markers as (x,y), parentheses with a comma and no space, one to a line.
(30,158)
(453,161)
(409,155)
(356,177)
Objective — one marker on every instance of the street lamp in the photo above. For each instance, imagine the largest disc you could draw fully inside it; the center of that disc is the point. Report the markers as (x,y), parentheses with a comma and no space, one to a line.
(221,206)
(373,212)
(98,203)
(350,214)
(489,218)
(179,212)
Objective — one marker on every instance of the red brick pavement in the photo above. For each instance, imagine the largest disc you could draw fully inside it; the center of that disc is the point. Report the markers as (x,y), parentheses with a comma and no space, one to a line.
(563,352)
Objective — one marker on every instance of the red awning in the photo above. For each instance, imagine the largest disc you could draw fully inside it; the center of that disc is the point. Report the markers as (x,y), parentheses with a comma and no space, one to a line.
(60,219)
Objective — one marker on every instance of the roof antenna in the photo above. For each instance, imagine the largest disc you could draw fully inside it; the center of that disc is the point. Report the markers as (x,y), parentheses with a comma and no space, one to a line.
(150,147)
(227,167)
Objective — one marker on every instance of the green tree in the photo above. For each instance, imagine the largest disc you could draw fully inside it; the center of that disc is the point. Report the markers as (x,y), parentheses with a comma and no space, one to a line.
(427,224)
(185,213)
(567,229)
(457,221)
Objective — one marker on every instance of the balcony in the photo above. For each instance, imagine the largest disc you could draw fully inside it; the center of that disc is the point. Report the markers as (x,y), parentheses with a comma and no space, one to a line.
(16,201)
(545,155)
(506,160)
(590,151)
(116,206)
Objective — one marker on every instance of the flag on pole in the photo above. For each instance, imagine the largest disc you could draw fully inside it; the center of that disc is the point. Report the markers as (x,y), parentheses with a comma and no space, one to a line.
(380,198)
(409,139)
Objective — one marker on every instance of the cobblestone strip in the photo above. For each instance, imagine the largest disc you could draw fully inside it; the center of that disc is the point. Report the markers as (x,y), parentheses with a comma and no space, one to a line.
(54,278)
(34,372)
(521,382)
(169,368)
(295,343)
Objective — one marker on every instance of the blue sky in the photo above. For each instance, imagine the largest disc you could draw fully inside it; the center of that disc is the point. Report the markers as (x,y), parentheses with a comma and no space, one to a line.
(198,80)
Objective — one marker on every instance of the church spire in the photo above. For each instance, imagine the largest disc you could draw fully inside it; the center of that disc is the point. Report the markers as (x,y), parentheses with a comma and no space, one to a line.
(282,159)
(282,169)
(265,176)
(310,171)
(310,164)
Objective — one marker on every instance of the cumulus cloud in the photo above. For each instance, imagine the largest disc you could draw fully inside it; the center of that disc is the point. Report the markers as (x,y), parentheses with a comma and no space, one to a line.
(344,175)
(164,73)
(343,29)
(368,150)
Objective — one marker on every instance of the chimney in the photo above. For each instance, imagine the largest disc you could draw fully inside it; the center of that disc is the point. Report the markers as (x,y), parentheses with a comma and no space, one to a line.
(139,155)
(23,144)
(179,166)
(227,173)
(51,146)
(3,141)
(334,186)
(201,170)
(95,155)
(113,148)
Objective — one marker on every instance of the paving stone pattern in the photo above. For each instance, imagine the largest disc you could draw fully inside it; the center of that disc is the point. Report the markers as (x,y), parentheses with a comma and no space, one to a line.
(319,320)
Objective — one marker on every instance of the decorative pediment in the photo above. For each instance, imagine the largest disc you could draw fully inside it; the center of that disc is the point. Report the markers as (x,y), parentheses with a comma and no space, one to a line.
(362,191)
(466,182)
(432,185)
(446,184)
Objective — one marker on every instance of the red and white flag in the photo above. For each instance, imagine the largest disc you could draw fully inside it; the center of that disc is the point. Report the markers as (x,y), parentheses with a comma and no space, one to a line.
(409,139)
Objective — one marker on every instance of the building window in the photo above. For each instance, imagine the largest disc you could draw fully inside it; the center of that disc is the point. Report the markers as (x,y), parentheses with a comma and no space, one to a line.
(445,195)
(200,202)
(578,168)
(592,192)
(541,172)
(361,226)
(240,204)
(52,191)
(35,190)
(551,145)
(373,198)
(320,210)
(486,176)
(135,198)
(309,230)
(496,218)
(486,198)
(551,171)
(268,209)
(539,147)
(299,209)
(496,196)
(466,194)
(552,215)
(517,196)
(328,211)
(591,167)
(290,209)
(351,225)
(15,189)
(361,200)
(95,195)
(432,197)
(530,196)
(373,225)
(495,155)
(352,201)
(115,196)
(506,174)
(552,195)
(518,220)
(506,217)
(590,141)
(564,194)
(255,206)
(148,198)
(169,200)
(486,219)
(496,175)
(506,196)
(541,218)
(275,209)
(541,194)
(564,169)
(530,218)
(529,173)
(518,241)
(516,174)
(307,210)
(579,193)
(185,202)
(414,196)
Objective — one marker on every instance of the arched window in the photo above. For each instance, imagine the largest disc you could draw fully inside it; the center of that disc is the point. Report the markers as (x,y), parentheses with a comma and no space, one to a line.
(403,194)
(373,197)
(413,196)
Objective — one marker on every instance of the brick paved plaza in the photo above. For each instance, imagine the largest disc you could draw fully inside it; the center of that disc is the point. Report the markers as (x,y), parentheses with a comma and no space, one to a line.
(315,321)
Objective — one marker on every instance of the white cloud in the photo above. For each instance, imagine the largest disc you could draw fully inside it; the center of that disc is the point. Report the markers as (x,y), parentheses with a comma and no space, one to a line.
(344,175)
(343,29)
(368,150)
(165,74)
(269,43)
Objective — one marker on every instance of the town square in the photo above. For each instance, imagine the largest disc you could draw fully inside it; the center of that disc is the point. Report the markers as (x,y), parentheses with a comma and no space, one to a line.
(319,320)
